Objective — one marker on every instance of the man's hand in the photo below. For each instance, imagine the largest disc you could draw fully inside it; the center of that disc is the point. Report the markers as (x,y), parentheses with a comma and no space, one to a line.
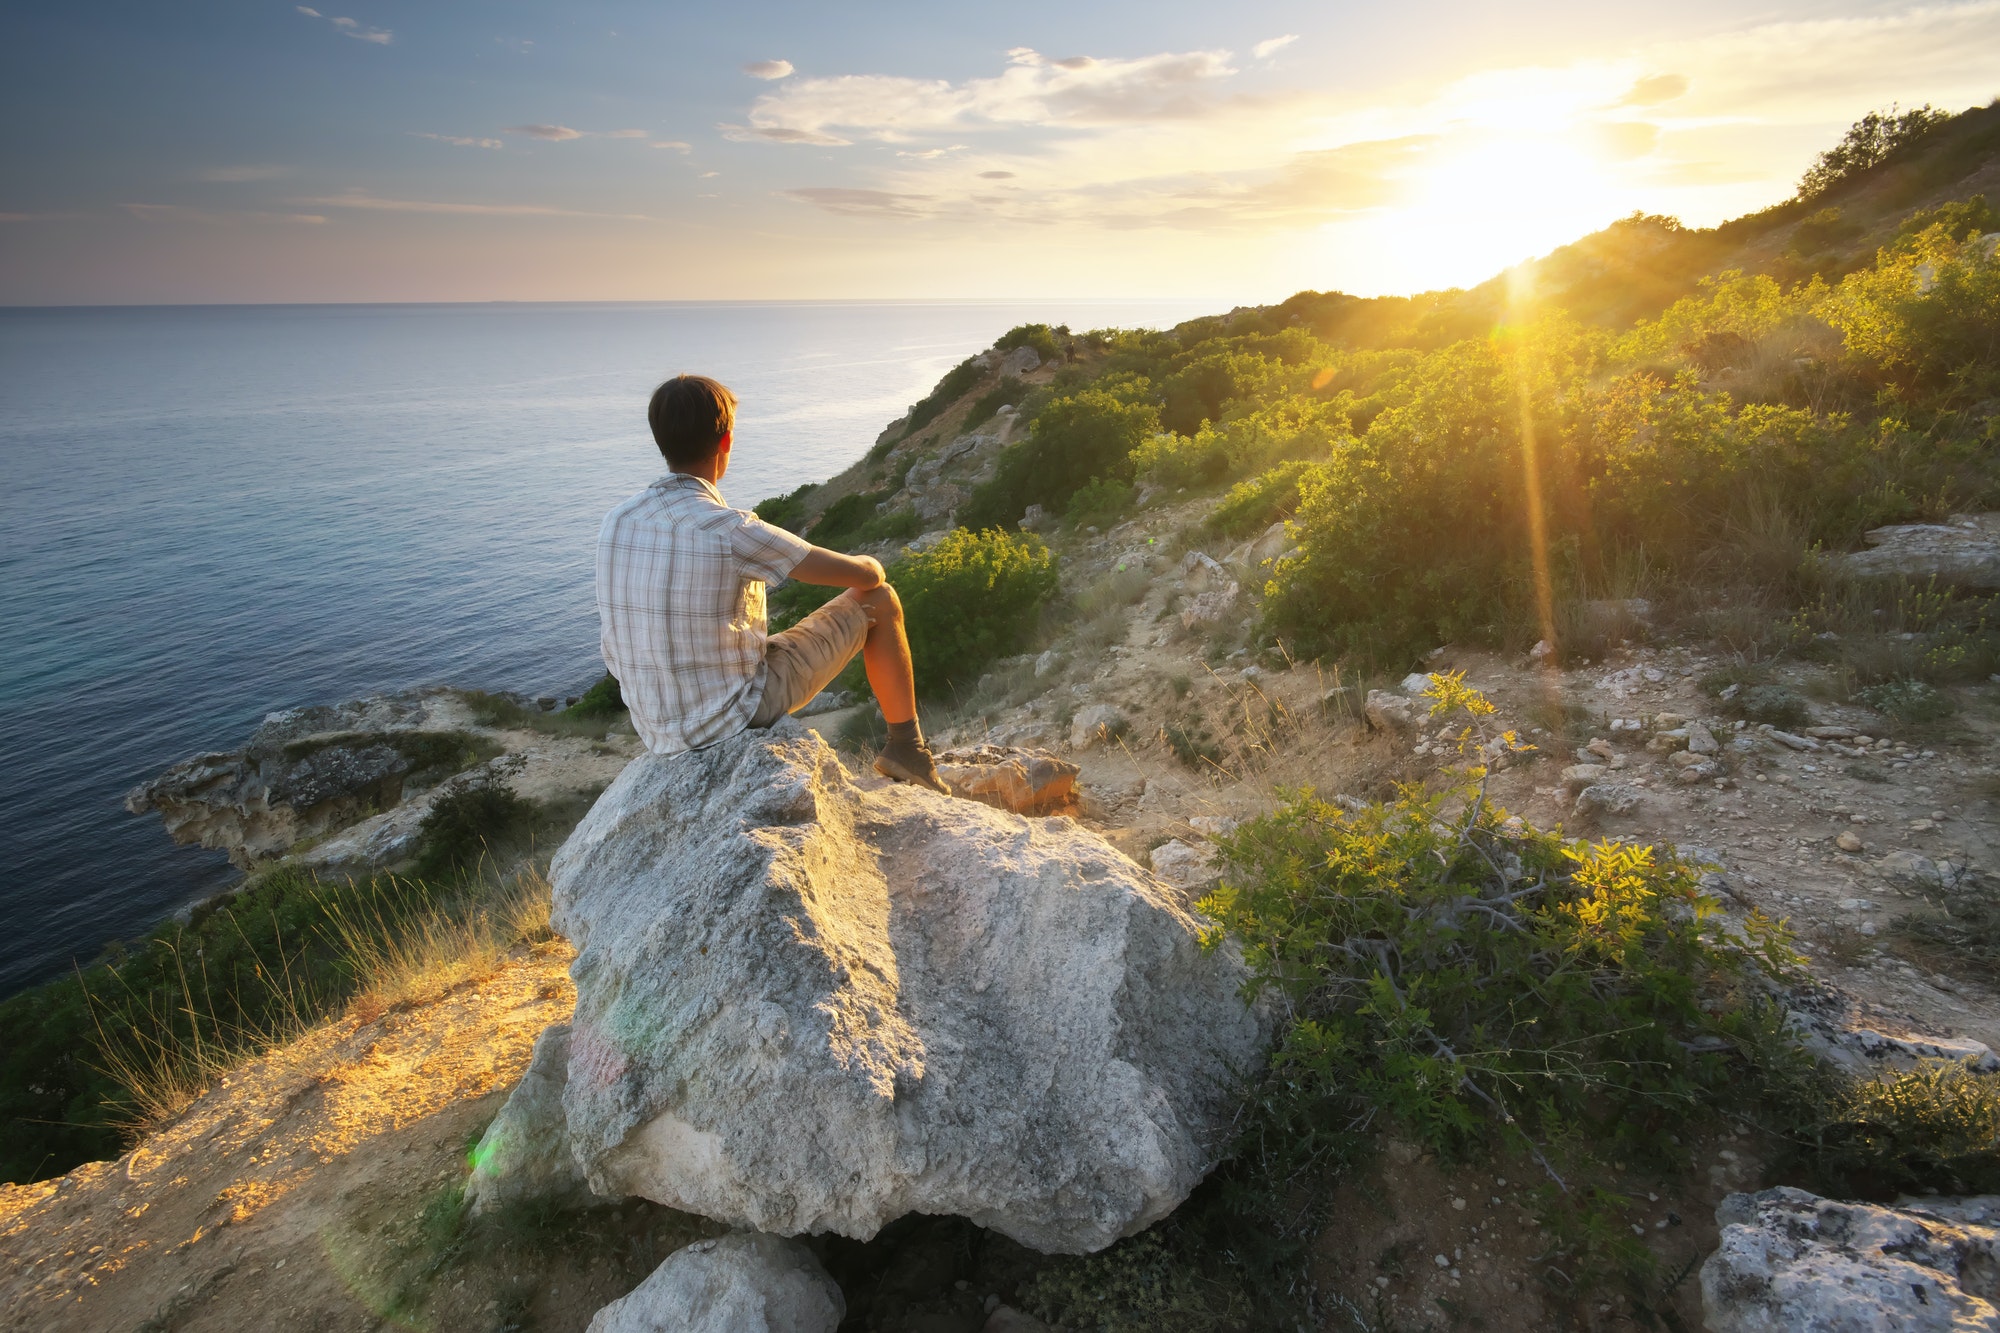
(831,569)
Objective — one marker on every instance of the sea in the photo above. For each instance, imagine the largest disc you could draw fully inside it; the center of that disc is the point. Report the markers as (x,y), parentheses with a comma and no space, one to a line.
(213,512)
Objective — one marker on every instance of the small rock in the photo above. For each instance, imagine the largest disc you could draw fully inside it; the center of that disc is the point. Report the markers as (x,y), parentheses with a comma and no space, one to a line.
(1607,798)
(1094,724)
(1185,866)
(1415,683)
(1047,662)
(1578,776)
(1849,842)
(1701,740)
(1668,722)
(1389,712)
(744,1283)
(1008,777)
(1541,652)
(1909,872)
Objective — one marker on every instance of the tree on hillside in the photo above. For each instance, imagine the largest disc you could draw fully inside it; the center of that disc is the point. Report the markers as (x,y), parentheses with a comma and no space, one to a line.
(1869,142)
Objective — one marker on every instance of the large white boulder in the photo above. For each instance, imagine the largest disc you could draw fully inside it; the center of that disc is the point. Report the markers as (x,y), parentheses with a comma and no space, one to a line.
(745,1283)
(1791,1261)
(805,1006)
(524,1154)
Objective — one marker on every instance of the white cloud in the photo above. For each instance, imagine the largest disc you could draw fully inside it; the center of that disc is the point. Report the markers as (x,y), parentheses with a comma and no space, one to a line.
(675,144)
(769,69)
(1270,46)
(864,203)
(458,140)
(178,213)
(626,134)
(235,174)
(1077,91)
(547,133)
(361,199)
(346,27)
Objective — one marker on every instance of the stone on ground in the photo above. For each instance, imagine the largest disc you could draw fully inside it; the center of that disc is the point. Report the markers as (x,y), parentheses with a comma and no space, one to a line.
(1009,777)
(805,1006)
(745,1283)
(1389,712)
(1789,1260)
(1095,724)
(1607,798)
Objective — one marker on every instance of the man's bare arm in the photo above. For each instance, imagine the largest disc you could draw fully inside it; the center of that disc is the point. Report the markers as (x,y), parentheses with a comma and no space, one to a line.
(831,569)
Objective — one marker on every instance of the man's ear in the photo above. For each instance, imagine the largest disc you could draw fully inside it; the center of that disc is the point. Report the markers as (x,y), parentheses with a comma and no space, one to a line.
(728,438)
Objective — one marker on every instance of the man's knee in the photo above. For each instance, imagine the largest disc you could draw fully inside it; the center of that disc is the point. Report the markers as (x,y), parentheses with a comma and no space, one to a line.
(880,602)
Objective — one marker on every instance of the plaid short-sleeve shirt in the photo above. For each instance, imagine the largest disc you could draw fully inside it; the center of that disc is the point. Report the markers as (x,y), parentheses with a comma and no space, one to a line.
(680,603)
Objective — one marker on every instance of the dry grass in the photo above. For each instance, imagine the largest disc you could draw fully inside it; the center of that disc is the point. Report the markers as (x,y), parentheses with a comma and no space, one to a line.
(401,949)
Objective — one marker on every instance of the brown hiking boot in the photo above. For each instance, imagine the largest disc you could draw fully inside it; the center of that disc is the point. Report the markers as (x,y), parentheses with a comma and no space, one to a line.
(910,761)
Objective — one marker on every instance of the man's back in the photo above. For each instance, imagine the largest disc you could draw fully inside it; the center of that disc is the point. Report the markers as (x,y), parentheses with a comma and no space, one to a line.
(680,599)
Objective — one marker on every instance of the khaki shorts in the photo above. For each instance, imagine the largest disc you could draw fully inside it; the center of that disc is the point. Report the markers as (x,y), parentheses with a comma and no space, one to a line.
(803,660)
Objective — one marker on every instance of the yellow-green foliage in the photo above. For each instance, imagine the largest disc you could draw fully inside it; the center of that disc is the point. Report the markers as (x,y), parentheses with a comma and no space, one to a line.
(1927,317)
(969,599)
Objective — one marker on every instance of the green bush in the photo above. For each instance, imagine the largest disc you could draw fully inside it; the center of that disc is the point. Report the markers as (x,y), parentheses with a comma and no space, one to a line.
(477,815)
(787,511)
(601,700)
(1874,139)
(1909,701)
(984,406)
(1088,435)
(971,598)
(854,520)
(1254,505)
(1926,318)
(956,382)
(1099,501)
(1047,342)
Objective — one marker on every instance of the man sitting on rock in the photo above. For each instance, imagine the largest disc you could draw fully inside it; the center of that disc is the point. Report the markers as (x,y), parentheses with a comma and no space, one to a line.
(680,599)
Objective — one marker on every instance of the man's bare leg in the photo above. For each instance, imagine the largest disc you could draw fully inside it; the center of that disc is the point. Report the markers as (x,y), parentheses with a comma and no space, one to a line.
(885,655)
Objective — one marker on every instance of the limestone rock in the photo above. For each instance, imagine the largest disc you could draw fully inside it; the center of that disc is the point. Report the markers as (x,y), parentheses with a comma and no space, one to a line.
(1868,1053)
(826,701)
(1910,872)
(806,1006)
(745,1283)
(1185,866)
(1607,798)
(1789,1260)
(1701,740)
(1965,550)
(1007,777)
(1389,712)
(1200,572)
(1021,361)
(1578,776)
(1095,723)
(1049,661)
(1209,608)
(306,772)
(524,1153)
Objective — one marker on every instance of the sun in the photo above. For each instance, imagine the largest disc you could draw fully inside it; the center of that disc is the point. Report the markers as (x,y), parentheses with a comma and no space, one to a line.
(1486,198)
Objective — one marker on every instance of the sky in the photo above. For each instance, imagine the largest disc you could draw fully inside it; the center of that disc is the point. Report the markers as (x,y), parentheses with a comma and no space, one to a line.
(390,150)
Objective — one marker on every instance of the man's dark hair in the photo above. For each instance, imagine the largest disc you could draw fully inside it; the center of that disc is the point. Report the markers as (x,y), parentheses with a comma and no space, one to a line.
(689,415)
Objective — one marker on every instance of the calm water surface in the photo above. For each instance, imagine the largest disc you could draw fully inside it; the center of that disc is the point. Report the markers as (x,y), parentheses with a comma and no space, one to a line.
(210,513)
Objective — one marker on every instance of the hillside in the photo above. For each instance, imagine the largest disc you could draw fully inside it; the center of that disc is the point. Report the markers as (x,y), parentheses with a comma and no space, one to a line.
(1578,697)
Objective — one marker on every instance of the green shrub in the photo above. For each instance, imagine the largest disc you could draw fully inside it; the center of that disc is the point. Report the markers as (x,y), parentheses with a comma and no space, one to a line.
(854,520)
(971,598)
(1960,218)
(475,816)
(1047,342)
(1252,506)
(1072,440)
(1098,501)
(1874,139)
(1926,317)
(1778,705)
(787,511)
(956,381)
(1909,701)
(999,396)
(1932,1129)
(602,699)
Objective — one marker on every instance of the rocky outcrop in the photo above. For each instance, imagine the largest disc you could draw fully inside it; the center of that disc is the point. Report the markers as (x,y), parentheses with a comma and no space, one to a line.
(1789,1260)
(1009,777)
(524,1155)
(309,771)
(1096,724)
(1965,550)
(806,1006)
(745,1283)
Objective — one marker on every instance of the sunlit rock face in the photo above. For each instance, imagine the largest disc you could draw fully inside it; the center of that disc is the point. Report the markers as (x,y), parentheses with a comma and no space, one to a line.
(806,1006)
